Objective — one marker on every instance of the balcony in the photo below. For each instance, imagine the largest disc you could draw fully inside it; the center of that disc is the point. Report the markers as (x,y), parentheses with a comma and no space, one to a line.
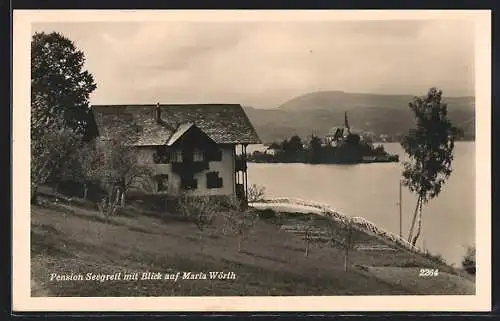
(189,168)
(240,163)
(240,191)
(188,183)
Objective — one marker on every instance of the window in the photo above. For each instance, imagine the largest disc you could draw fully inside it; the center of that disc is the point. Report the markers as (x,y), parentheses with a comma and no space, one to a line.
(176,156)
(213,180)
(162,182)
(189,182)
(215,155)
(161,156)
(198,155)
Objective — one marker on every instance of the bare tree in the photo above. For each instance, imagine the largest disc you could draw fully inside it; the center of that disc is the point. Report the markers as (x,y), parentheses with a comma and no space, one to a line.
(256,193)
(343,233)
(309,231)
(110,205)
(239,220)
(118,162)
(348,240)
(200,210)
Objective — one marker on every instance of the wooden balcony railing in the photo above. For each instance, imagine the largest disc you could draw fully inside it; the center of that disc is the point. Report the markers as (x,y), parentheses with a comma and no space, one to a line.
(189,168)
(240,163)
(240,191)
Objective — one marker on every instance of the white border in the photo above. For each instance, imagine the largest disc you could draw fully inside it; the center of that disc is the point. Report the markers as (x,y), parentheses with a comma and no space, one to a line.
(22,301)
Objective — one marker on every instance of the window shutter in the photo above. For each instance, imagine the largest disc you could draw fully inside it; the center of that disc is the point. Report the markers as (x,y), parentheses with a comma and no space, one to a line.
(214,155)
(213,180)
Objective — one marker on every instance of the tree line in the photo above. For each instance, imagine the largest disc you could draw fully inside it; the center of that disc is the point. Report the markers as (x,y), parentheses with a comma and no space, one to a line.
(294,150)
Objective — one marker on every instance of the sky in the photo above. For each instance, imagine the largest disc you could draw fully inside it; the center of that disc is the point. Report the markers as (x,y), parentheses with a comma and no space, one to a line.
(264,64)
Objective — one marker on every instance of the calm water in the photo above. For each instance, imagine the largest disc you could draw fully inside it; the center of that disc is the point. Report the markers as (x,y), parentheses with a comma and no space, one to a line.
(372,191)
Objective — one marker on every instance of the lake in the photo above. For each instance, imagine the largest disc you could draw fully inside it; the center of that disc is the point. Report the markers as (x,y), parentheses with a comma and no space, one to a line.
(372,191)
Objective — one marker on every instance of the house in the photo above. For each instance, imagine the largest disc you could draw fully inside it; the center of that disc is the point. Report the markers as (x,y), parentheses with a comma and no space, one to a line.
(272,149)
(335,136)
(197,148)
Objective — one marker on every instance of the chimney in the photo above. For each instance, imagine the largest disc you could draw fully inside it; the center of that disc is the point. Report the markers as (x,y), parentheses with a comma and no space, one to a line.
(158,113)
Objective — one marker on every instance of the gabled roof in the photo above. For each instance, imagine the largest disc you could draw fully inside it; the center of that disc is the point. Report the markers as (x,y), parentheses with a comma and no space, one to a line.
(179,132)
(333,130)
(223,123)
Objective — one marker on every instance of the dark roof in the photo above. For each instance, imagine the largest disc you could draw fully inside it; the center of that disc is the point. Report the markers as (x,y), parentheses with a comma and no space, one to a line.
(223,123)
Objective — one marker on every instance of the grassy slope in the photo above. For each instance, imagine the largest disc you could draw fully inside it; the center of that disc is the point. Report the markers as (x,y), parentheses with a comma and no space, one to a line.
(75,239)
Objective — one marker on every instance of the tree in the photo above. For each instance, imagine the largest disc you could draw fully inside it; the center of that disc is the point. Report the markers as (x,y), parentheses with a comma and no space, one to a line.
(292,148)
(469,260)
(59,106)
(200,210)
(86,166)
(109,205)
(343,233)
(274,145)
(57,73)
(315,150)
(309,231)
(239,220)
(80,165)
(347,233)
(295,144)
(256,193)
(51,143)
(353,139)
(284,152)
(117,163)
(430,149)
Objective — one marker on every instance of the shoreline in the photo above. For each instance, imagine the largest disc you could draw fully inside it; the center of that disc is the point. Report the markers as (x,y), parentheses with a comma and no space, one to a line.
(337,163)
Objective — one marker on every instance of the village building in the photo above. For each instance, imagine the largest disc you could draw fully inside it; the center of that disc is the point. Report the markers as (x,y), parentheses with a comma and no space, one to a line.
(272,149)
(338,134)
(199,149)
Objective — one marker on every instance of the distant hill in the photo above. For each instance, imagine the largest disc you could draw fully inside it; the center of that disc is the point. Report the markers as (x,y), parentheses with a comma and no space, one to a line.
(346,101)
(381,114)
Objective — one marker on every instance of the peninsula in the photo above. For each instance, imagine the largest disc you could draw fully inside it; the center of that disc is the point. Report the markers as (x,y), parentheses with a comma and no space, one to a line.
(339,146)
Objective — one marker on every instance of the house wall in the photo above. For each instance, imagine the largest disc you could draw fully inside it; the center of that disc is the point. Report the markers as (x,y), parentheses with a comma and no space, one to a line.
(225,167)
(270,151)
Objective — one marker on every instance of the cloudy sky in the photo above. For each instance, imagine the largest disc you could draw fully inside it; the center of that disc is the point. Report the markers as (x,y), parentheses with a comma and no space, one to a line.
(264,64)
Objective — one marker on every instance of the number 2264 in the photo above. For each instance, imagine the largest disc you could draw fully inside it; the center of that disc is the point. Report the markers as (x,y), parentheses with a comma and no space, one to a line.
(428,272)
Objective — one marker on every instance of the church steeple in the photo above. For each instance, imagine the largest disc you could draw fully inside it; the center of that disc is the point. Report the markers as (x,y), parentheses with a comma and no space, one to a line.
(346,123)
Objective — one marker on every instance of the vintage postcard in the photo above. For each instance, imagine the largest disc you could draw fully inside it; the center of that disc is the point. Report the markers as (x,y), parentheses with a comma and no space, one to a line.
(251,160)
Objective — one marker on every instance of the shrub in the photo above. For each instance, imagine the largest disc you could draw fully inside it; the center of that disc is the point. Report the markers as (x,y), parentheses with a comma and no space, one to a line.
(239,220)
(200,210)
(296,215)
(267,214)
